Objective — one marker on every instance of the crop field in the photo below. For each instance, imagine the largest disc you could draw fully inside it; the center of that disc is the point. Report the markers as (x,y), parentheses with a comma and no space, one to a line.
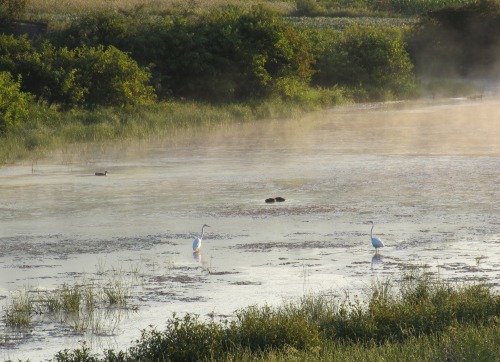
(340,23)
(54,9)
(42,8)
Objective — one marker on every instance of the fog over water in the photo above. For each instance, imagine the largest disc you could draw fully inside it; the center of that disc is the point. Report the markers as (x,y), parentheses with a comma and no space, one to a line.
(427,173)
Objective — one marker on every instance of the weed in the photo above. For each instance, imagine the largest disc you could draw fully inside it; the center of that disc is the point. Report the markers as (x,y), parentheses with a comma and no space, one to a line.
(19,311)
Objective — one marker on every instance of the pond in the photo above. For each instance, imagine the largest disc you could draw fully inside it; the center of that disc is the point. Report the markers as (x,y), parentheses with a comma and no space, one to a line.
(426,173)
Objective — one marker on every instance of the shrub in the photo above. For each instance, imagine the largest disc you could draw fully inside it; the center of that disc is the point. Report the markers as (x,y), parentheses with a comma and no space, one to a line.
(14,104)
(10,10)
(82,76)
(265,328)
(112,78)
(223,55)
(372,60)
(185,339)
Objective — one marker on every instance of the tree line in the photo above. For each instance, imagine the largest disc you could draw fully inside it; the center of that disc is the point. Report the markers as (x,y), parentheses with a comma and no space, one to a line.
(234,55)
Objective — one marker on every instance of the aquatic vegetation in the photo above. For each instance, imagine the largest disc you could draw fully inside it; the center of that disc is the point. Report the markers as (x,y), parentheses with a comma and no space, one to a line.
(94,306)
(424,312)
(20,309)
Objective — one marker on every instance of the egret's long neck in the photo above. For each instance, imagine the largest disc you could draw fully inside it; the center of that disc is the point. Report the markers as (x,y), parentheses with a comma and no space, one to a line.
(371,232)
(202,232)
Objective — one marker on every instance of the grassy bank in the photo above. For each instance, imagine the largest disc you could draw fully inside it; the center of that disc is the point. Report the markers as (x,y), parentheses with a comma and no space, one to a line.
(422,319)
(49,130)
(457,344)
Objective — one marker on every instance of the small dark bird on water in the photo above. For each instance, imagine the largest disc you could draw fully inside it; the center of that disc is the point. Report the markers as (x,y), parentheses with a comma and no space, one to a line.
(101,173)
(279,199)
(270,200)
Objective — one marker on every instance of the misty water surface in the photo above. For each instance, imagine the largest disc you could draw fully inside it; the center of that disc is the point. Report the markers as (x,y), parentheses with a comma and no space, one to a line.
(426,173)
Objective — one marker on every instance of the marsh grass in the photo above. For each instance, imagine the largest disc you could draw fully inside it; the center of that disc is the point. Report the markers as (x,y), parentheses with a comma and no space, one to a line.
(50,131)
(472,343)
(96,305)
(419,318)
(20,309)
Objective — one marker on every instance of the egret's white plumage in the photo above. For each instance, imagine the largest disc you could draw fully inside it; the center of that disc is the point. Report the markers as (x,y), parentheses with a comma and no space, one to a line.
(376,242)
(197,241)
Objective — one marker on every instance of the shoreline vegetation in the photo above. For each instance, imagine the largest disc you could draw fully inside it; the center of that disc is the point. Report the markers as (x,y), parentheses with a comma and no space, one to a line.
(418,318)
(119,70)
(100,72)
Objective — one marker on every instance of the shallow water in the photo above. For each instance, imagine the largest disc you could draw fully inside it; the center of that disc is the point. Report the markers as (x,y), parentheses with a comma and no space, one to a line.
(427,174)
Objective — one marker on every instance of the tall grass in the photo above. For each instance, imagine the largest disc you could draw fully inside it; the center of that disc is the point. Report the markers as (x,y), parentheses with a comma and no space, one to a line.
(472,343)
(94,306)
(50,130)
(20,309)
(423,319)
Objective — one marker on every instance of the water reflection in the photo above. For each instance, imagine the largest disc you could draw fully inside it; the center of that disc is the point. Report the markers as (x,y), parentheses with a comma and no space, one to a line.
(197,258)
(377,259)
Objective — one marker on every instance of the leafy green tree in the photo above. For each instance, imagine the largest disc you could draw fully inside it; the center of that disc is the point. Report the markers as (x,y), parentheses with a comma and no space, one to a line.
(234,54)
(14,104)
(9,10)
(12,51)
(111,77)
(367,58)
(84,76)
(223,55)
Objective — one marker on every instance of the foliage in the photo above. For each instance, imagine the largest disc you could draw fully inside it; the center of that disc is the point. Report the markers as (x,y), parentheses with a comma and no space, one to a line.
(185,339)
(371,60)
(424,312)
(265,328)
(14,104)
(100,28)
(9,11)
(224,55)
(85,76)
(19,310)
(421,307)
(458,41)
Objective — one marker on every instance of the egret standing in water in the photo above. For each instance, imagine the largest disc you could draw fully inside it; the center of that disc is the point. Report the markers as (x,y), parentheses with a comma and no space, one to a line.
(197,241)
(376,242)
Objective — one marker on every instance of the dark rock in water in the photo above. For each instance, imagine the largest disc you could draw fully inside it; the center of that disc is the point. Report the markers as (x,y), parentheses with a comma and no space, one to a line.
(270,200)
(279,199)
(101,173)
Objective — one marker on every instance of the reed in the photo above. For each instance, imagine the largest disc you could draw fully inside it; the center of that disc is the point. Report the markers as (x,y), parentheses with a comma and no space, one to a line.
(95,306)
(418,319)
(50,131)
(19,311)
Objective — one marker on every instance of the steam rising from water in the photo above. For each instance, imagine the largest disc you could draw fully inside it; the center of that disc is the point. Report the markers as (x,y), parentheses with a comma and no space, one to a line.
(426,173)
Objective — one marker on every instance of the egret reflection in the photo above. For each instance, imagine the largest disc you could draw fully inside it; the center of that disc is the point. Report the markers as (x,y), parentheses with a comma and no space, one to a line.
(197,257)
(377,259)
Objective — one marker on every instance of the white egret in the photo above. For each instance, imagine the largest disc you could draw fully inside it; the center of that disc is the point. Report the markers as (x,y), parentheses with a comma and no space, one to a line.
(101,173)
(376,242)
(197,241)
